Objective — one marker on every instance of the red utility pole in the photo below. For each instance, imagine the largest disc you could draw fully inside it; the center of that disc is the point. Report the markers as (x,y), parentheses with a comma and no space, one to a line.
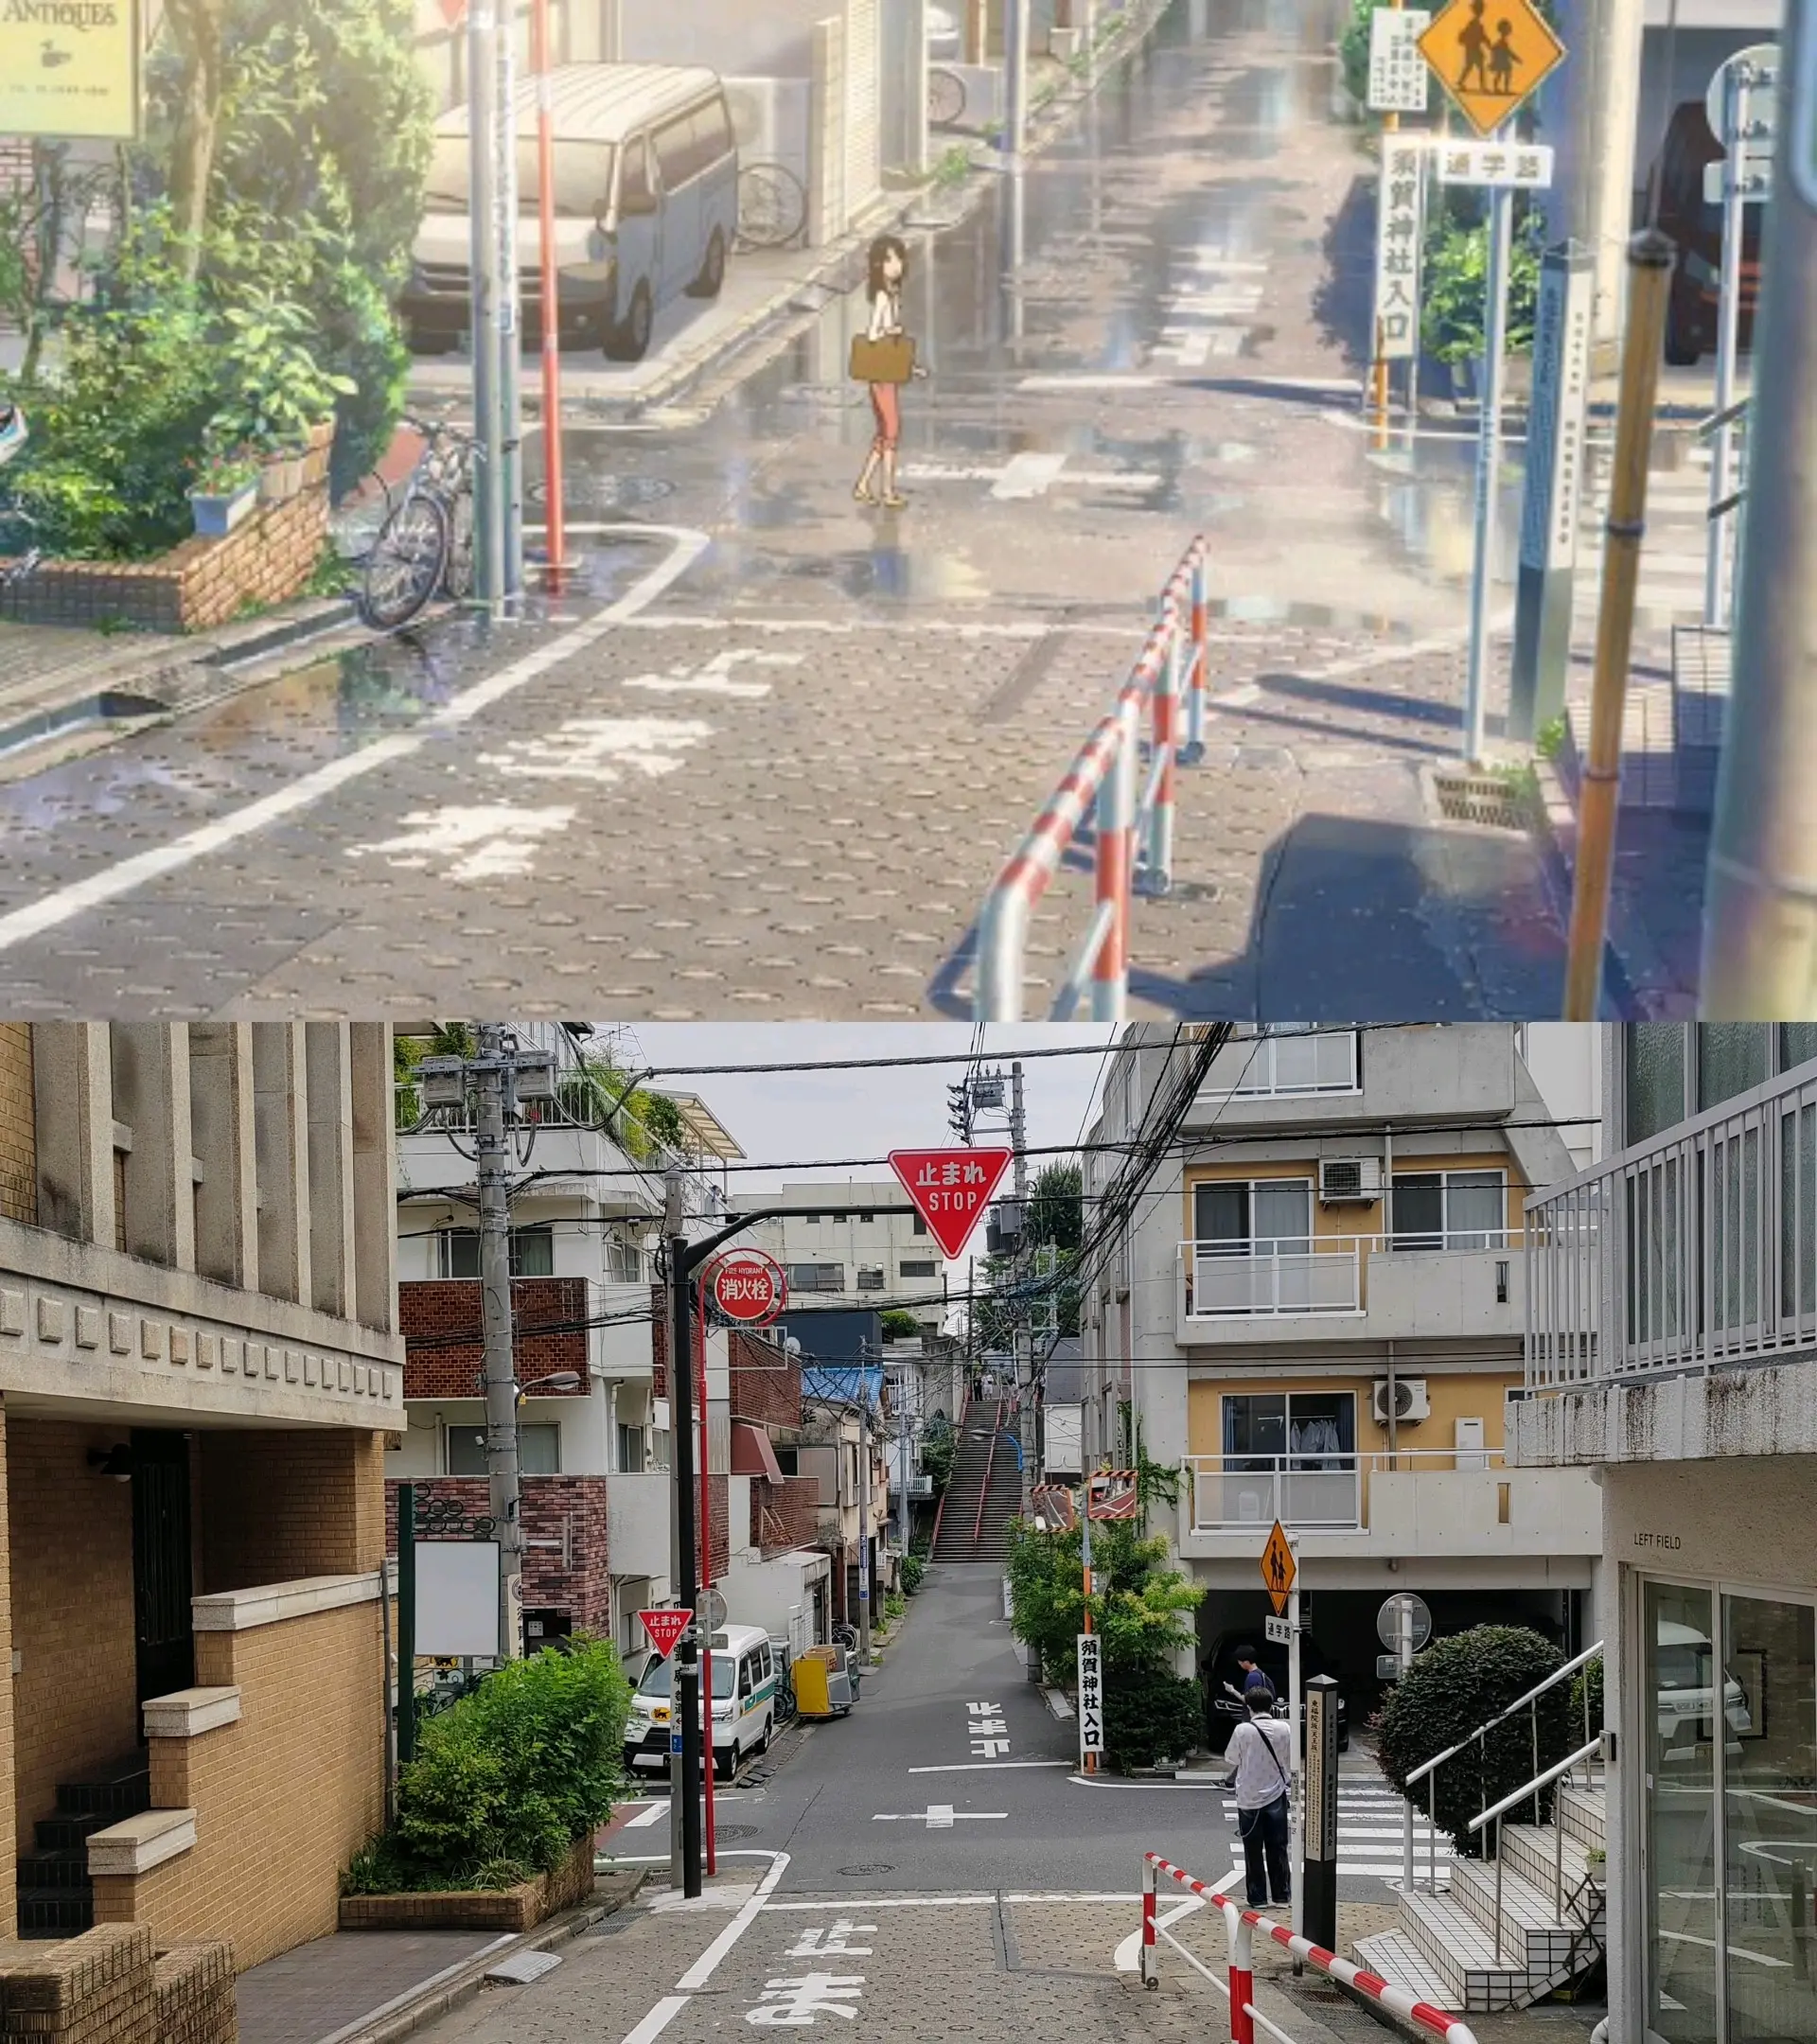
(556,534)
(706,1560)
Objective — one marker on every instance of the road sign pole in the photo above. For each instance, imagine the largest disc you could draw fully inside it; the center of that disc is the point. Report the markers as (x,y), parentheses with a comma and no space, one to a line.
(482,300)
(1489,462)
(1294,1704)
(1403,1652)
(706,1599)
(1737,96)
(684,1781)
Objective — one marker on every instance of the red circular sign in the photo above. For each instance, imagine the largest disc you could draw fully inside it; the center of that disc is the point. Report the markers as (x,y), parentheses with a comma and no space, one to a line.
(748,1287)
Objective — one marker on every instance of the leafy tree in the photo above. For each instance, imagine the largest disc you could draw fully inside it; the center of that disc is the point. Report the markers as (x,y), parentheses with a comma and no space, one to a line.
(938,1450)
(899,1324)
(1139,1605)
(1056,1207)
(196,29)
(1457,278)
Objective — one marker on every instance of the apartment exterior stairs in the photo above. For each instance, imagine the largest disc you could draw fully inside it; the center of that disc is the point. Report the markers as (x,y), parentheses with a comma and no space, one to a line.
(1445,1947)
(975,1463)
(56,1897)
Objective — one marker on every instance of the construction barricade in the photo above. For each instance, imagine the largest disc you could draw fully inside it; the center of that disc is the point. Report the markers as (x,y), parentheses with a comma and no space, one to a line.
(1241,1924)
(1132,827)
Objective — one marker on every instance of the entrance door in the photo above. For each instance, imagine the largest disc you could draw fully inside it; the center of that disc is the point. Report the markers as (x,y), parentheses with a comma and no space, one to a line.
(161,1585)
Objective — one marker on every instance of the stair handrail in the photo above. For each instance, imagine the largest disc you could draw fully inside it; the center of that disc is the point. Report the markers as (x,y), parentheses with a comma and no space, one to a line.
(984,1488)
(940,1507)
(1532,1789)
(1428,1771)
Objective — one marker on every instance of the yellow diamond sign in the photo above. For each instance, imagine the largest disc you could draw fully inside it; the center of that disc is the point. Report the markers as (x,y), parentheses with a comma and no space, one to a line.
(1492,56)
(1277,1568)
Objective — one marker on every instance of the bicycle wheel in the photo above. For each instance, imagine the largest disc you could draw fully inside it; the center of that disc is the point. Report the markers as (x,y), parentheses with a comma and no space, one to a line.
(406,564)
(457,578)
(772,207)
(946,99)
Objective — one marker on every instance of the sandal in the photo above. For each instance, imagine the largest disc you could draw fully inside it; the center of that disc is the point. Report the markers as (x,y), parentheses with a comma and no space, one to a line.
(861,495)
(896,502)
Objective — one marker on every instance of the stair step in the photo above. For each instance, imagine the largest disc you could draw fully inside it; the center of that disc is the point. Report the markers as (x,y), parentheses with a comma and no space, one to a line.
(1541,1855)
(1402,1963)
(1581,1811)
(1533,1934)
(122,1790)
(54,1833)
(55,1911)
(1456,1947)
(64,1866)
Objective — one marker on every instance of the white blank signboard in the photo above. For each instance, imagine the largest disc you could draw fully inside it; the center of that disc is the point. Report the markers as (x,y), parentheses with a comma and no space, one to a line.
(457,1600)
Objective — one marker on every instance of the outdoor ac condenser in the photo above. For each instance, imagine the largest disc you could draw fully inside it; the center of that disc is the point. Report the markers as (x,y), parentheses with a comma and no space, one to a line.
(1349,1181)
(1411,1403)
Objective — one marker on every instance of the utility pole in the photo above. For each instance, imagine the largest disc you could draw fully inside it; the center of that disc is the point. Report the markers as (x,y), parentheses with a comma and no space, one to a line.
(864,1511)
(1760,903)
(495,1304)
(482,297)
(1015,78)
(1597,142)
(1023,1350)
(902,1464)
(686,1683)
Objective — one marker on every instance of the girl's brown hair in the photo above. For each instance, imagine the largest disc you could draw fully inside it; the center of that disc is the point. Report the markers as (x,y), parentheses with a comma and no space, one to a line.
(881,250)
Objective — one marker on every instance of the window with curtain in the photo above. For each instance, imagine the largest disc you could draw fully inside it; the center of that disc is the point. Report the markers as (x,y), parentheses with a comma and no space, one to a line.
(1254,1217)
(1313,1429)
(1449,1209)
(1655,1074)
(532,1252)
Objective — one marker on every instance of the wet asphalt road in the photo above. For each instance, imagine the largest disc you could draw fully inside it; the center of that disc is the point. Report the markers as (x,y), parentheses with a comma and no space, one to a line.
(766,753)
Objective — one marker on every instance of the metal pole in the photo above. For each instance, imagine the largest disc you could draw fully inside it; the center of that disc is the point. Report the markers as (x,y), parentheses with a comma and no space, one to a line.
(1295,1704)
(687,1653)
(555,536)
(1489,462)
(1390,125)
(495,1307)
(1736,112)
(509,301)
(1403,1654)
(387,1739)
(1015,78)
(864,1517)
(1650,258)
(481,72)
(406,1624)
(706,1598)
(901,1466)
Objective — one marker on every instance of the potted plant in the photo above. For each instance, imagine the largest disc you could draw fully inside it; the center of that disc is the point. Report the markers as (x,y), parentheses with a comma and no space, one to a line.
(223,493)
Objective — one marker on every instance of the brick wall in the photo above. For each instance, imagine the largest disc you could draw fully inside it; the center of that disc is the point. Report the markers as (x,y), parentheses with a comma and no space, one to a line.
(279,1505)
(553,1508)
(283,1798)
(70,1554)
(719,1516)
(18,1142)
(432,1311)
(659,1341)
(787,1514)
(9,1832)
(765,1380)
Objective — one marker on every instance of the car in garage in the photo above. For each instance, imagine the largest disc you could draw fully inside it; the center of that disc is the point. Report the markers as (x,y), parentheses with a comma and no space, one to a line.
(1222,1678)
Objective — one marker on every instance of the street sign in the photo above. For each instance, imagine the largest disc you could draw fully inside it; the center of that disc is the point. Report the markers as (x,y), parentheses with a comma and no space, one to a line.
(748,1286)
(1803,108)
(1276,1631)
(1278,1568)
(1091,1694)
(1754,180)
(950,1189)
(666,1627)
(1512,167)
(1491,61)
(1398,79)
(1318,1870)
(1757,68)
(1387,1620)
(454,12)
(70,72)
(712,1608)
(1400,234)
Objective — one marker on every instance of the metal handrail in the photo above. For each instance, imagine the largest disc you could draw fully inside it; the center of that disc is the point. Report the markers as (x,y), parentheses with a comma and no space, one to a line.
(1556,1677)
(990,1463)
(1540,1781)
(1716,420)
(1519,1795)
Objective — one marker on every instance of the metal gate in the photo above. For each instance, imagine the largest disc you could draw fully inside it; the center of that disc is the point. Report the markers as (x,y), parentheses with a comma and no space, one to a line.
(162,1583)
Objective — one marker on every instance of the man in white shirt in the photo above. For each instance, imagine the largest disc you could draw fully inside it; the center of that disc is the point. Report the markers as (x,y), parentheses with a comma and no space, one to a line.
(1262,1757)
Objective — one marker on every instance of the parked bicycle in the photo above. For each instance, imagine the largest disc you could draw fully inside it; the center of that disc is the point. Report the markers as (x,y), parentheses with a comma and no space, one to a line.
(426,542)
(772,206)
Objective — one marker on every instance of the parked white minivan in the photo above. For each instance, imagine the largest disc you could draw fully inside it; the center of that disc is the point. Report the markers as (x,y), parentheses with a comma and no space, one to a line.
(646,206)
(744,1703)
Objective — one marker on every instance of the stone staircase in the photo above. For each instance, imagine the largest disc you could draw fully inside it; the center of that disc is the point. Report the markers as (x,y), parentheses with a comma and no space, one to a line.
(1445,1947)
(959,1516)
(56,1897)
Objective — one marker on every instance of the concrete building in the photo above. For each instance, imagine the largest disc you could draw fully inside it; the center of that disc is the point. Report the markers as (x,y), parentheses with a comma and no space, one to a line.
(199,1369)
(1672,1355)
(1318,1316)
(855,1243)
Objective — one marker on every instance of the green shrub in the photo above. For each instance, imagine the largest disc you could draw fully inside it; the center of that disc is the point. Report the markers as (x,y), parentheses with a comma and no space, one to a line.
(914,1568)
(1588,1679)
(938,1450)
(1152,1716)
(1453,1687)
(1456,279)
(1139,1605)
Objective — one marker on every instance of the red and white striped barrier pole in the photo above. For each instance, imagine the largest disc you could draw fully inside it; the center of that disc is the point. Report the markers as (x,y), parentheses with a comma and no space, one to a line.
(1149,1979)
(1116,829)
(1194,750)
(1158,879)
(1242,1979)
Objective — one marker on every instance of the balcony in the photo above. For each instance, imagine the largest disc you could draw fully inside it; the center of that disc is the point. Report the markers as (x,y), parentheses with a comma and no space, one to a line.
(429,1161)
(1399,1288)
(1331,1077)
(1665,1281)
(1426,1503)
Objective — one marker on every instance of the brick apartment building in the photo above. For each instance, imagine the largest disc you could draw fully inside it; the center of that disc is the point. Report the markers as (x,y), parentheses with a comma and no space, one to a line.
(199,1369)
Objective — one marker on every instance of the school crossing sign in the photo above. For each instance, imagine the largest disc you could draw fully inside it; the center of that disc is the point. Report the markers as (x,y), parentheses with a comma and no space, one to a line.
(1490,56)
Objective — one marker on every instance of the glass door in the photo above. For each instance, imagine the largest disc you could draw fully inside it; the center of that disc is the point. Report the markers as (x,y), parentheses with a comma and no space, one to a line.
(1683,1940)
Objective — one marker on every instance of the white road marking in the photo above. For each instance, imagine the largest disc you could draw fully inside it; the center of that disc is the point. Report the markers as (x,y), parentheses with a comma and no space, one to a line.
(1086,380)
(486,843)
(815,1943)
(602,749)
(1129,1953)
(644,1818)
(799,2000)
(714,677)
(1028,475)
(21,924)
(1008,484)
(941,1817)
(976,1766)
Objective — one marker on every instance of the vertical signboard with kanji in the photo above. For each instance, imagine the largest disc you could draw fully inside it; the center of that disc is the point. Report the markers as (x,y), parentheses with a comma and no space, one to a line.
(1398,73)
(1399,228)
(1091,1695)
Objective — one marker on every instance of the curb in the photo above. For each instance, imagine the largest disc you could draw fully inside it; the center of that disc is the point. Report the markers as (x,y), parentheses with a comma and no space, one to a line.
(422,2006)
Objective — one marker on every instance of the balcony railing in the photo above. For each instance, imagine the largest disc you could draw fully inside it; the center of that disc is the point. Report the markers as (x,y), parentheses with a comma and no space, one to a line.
(1328,1494)
(1322,1273)
(1688,1252)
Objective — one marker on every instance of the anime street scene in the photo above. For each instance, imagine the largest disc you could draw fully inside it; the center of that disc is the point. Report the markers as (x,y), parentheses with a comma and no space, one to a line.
(862,509)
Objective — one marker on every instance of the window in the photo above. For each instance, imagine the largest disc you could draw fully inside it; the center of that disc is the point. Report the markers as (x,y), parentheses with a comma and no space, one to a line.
(816,1276)
(1450,1210)
(810,1220)
(918,1269)
(632,1452)
(659,1447)
(713,133)
(1797,1044)
(788,1459)
(635,184)
(1655,1074)
(532,1252)
(1295,1057)
(538,1450)
(918,1227)
(1731,1059)
(1254,1217)
(624,1260)
(870,1277)
(1315,1430)
(676,153)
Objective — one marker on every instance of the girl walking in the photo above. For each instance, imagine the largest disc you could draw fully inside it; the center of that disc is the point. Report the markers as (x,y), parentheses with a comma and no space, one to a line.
(884,357)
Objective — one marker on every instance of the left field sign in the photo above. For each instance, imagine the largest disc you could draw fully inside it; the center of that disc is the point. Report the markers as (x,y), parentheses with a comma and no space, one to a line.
(69,69)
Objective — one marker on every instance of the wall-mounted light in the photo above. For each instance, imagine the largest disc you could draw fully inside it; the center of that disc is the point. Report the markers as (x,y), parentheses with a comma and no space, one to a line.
(114,1462)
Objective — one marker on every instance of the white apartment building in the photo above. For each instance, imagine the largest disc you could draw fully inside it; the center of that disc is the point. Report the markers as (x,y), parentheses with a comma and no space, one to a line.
(1320,1312)
(1672,1355)
(853,1243)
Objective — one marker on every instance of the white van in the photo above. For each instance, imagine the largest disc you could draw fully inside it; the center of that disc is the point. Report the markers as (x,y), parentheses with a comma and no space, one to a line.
(744,1703)
(1684,1703)
(646,206)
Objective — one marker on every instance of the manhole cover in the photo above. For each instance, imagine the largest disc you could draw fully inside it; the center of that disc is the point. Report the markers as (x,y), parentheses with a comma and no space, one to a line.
(733,1831)
(605,493)
(876,1868)
(1481,799)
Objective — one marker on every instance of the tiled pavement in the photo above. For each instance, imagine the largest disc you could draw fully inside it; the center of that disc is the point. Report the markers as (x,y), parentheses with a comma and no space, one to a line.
(305,1996)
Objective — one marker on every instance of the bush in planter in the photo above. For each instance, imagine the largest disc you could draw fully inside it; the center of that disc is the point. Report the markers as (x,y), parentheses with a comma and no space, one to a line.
(1150,1715)
(914,1567)
(1453,1687)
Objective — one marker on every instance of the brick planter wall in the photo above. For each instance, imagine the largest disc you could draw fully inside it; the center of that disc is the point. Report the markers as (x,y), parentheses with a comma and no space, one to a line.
(555,1508)
(517,1909)
(196,586)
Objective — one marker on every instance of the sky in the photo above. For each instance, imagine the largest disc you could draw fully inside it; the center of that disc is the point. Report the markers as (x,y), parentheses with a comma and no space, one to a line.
(803,1118)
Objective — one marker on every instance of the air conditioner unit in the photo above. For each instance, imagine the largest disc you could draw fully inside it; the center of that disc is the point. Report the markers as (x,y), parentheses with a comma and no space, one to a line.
(1349,1180)
(1410,1400)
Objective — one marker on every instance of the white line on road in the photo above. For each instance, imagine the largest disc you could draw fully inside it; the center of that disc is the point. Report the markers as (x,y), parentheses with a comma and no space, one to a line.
(1083,382)
(992,1766)
(963,1901)
(68,903)
(940,1816)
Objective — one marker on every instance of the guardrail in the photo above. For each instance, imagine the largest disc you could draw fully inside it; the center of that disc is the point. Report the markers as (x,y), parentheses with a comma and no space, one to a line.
(1132,834)
(1241,1925)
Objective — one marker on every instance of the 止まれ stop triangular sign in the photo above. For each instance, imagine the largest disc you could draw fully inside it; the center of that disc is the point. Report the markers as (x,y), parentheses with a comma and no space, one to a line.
(950,1189)
(665,1627)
